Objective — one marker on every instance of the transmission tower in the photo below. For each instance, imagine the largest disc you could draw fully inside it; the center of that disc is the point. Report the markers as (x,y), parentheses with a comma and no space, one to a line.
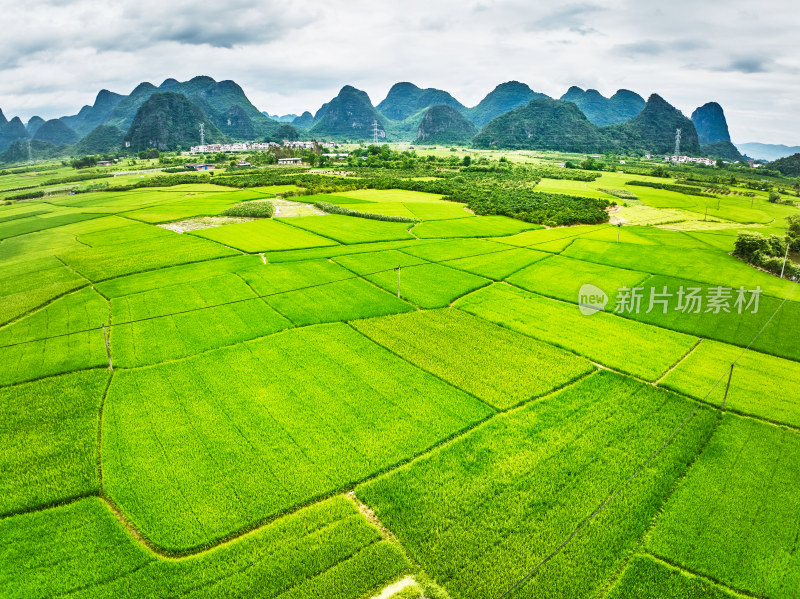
(30,153)
(202,134)
(677,144)
(375,132)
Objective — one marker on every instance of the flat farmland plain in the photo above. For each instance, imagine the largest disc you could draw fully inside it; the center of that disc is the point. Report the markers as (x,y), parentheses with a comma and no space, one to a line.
(278,423)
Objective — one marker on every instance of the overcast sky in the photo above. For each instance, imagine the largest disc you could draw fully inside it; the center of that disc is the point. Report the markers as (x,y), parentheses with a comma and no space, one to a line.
(291,56)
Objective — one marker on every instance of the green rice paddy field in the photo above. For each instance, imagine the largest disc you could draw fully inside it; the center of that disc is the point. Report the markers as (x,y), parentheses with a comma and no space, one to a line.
(337,407)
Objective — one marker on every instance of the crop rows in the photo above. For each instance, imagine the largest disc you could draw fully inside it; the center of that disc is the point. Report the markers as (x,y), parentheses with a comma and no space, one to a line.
(48,429)
(740,507)
(480,512)
(262,236)
(83,551)
(761,385)
(497,365)
(345,229)
(196,449)
(631,347)
(67,350)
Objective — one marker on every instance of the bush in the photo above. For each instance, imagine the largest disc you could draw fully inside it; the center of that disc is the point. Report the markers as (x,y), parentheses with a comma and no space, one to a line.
(765,252)
(335,209)
(252,209)
(28,195)
(685,189)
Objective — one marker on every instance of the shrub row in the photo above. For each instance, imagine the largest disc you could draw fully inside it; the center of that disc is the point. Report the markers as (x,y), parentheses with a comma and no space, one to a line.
(28,195)
(335,209)
(685,189)
(622,194)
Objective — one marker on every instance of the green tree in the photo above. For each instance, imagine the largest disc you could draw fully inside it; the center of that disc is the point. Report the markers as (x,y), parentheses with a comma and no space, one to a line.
(793,231)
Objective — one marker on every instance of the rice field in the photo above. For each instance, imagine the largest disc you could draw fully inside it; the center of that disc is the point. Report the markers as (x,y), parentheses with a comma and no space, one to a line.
(455,346)
(480,226)
(633,348)
(279,423)
(83,550)
(263,235)
(347,230)
(479,513)
(319,438)
(739,505)
(763,385)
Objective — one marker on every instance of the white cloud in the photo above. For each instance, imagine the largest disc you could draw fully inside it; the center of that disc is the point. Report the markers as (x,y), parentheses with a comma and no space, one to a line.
(289,57)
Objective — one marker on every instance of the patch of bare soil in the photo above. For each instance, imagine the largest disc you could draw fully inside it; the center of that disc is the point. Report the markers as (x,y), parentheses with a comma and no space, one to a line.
(284,208)
(203,222)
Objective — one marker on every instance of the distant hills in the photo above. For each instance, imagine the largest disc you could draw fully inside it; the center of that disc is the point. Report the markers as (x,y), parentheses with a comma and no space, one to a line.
(560,125)
(350,115)
(512,115)
(443,124)
(169,121)
(10,131)
(166,117)
(770,152)
(56,132)
(602,111)
(502,99)
(543,124)
(654,128)
(788,165)
(713,134)
(405,99)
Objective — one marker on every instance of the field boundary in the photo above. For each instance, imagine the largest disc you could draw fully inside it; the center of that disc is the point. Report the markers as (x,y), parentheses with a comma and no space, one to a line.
(711,579)
(99,452)
(678,363)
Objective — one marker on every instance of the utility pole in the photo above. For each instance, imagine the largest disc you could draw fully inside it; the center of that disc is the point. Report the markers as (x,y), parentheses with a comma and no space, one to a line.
(398,281)
(785,257)
(619,228)
(727,388)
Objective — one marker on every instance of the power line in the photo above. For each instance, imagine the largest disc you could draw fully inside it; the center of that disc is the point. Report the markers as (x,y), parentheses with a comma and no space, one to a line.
(315,285)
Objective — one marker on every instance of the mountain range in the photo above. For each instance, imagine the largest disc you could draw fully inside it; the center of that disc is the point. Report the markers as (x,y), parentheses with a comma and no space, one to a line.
(602,111)
(769,152)
(512,115)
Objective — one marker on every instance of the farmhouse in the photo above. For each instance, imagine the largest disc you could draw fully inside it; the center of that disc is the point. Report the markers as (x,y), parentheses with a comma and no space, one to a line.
(290,160)
(199,167)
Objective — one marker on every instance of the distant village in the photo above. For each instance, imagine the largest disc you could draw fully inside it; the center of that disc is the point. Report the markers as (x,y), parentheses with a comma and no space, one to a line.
(247,145)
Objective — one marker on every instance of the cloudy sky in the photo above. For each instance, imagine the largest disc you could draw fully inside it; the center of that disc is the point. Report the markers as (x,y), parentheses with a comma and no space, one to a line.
(291,56)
